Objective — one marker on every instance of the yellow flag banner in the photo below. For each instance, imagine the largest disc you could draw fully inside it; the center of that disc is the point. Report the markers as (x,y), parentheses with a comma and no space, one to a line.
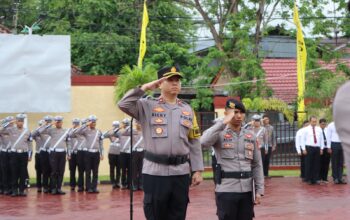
(145,20)
(301,65)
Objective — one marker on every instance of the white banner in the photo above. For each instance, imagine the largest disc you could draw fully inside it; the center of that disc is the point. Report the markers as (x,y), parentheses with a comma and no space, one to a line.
(35,73)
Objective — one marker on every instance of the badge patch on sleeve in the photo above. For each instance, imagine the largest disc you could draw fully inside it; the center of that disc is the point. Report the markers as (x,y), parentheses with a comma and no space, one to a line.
(158,109)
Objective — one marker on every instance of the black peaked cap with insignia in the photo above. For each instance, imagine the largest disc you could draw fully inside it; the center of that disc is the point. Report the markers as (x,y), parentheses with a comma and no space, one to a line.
(169,72)
(235,104)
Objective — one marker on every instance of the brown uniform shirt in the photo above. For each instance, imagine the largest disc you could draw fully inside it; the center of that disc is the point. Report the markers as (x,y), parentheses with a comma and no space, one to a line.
(166,129)
(235,153)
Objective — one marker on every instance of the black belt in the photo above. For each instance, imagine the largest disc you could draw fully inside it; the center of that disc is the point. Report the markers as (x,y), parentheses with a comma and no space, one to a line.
(236,175)
(166,160)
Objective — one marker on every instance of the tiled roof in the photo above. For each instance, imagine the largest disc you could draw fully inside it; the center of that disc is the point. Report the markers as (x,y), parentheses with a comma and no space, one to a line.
(281,76)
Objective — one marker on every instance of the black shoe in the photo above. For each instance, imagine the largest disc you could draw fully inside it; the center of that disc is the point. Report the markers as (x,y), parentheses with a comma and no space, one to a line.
(72,189)
(124,187)
(7,193)
(1,192)
(336,181)
(22,194)
(114,186)
(141,188)
(60,192)
(54,192)
(39,190)
(90,191)
(80,190)
(342,182)
(95,191)
(14,194)
(46,191)
(134,188)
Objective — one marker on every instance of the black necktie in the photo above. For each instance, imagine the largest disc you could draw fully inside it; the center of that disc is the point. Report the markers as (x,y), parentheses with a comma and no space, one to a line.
(324,138)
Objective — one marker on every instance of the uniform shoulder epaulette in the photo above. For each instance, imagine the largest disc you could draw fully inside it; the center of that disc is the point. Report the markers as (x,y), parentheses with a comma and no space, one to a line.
(149,97)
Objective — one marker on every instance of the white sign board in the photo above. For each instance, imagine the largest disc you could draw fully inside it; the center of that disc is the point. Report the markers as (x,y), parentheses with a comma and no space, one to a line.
(35,73)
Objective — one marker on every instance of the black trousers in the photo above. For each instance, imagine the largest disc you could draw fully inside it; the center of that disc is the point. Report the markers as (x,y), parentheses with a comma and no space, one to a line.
(58,165)
(114,168)
(81,168)
(213,165)
(18,162)
(337,161)
(126,172)
(73,164)
(38,169)
(137,161)
(266,160)
(165,197)
(46,169)
(92,161)
(324,164)
(302,166)
(312,164)
(5,171)
(1,182)
(232,206)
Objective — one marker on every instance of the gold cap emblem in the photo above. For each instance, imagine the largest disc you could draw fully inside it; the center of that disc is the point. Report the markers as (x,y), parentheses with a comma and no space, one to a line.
(173,69)
(232,105)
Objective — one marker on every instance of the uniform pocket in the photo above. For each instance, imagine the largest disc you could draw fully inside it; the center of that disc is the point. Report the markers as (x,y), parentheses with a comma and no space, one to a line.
(148,207)
(248,150)
(159,126)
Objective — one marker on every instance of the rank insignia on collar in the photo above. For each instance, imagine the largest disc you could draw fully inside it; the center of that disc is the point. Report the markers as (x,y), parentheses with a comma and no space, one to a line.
(187,123)
(158,109)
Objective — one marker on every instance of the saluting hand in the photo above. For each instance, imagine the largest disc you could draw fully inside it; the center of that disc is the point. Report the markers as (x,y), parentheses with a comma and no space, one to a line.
(197,178)
(228,117)
(101,157)
(152,85)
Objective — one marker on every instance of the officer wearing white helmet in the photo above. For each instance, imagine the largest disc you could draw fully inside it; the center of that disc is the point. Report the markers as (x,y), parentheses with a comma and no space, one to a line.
(125,153)
(93,151)
(38,167)
(114,154)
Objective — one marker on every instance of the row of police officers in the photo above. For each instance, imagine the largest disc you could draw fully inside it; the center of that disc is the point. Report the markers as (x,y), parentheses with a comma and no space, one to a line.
(82,145)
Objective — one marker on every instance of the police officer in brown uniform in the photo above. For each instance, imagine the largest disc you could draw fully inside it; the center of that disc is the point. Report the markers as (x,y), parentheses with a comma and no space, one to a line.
(172,147)
(239,171)
(21,153)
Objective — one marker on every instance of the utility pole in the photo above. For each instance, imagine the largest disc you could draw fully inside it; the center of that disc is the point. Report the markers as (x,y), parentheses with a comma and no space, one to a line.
(15,16)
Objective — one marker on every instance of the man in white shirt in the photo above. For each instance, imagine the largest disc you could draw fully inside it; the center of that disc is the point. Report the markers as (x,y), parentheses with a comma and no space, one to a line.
(326,156)
(337,154)
(312,140)
(301,152)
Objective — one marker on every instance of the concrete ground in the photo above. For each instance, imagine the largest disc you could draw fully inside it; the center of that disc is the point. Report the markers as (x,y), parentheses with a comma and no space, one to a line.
(286,198)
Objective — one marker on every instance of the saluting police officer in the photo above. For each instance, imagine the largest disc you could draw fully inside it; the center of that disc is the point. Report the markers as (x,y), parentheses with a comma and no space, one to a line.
(137,158)
(81,158)
(38,168)
(5,155)
(239,171)
(44,153)
(170,133)
(59,149)
(93,152)
(75,144)
(21,153)
(125,154)
(114,154)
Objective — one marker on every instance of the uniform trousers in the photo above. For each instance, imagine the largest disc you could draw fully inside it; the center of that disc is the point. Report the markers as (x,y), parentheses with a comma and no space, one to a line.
(324,164)
(312,164)
(126,171)
(114,168)
(81,168)
(92,161)
(46,169)
(337,161)
(58,164)
(234,206)
(137,161)
(18,163)
(38,170)
(165,197)
(73,164)
(5,171)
